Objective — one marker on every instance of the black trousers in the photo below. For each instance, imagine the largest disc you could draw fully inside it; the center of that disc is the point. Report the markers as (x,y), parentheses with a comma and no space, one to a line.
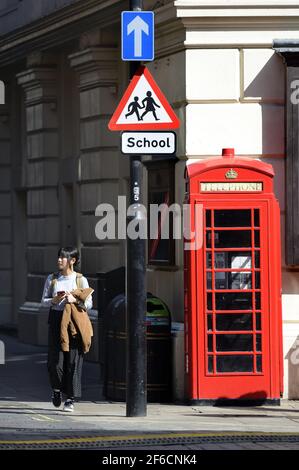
(64,368)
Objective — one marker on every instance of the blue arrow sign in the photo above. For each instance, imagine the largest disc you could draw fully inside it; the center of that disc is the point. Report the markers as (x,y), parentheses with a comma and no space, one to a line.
(137,35)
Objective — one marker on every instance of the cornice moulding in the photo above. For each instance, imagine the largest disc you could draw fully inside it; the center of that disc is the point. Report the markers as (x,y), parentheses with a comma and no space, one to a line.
(238,13)
(92,55)
(62,26)
(211,14)
(235,3)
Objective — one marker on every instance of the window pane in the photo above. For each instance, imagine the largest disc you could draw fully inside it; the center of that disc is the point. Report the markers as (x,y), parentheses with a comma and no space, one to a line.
(208,218)
(232,218)
(242,260)
(258,344)
(230,259)
(234,342)
(220,260)
(257,238)
(234,301)
(256,217)
(159,178)
(257,300)
(257,259)
(159,250)
(239,280)
(209,323)
(221,280)
(259,363)
(227,322)
(210,343)
(258,321)
(226,280)
(210,364)
(209,301)
(233,363)
(161,191)
(232,238)
(209,239)
(209,280)
(257,280)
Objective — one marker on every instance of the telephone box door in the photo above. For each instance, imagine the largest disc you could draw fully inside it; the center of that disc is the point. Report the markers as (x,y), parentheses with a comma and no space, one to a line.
(233,312)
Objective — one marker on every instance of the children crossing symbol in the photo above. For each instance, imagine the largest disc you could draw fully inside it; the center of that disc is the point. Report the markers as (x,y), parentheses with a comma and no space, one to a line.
(148,103)
(143,106)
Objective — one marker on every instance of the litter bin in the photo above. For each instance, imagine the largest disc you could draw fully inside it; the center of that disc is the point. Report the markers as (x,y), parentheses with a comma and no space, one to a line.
(158,337)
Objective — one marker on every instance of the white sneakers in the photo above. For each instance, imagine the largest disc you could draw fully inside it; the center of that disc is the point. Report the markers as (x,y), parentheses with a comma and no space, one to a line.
(69,405)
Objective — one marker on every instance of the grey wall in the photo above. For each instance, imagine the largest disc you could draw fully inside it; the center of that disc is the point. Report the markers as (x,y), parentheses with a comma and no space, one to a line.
(17,13)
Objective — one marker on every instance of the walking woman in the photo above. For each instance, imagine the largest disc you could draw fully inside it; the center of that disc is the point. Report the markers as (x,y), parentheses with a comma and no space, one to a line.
(65,368)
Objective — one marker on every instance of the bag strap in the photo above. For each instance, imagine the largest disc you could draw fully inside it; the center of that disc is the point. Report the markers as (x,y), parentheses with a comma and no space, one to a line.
(79,278)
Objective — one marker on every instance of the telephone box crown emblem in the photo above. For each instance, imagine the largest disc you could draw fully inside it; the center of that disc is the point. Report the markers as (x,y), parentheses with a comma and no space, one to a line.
(231,174)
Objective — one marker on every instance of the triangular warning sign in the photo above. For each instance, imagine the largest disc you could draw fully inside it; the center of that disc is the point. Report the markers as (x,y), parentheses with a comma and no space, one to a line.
(143,106)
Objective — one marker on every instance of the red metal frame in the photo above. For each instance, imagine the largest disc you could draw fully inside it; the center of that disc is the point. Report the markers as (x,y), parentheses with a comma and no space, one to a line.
(206,382)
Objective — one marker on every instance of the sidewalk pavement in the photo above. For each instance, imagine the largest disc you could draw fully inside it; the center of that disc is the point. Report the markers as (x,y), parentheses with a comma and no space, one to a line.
(27,413)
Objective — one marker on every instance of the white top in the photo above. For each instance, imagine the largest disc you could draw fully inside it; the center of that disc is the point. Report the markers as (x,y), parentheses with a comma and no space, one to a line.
(63,283)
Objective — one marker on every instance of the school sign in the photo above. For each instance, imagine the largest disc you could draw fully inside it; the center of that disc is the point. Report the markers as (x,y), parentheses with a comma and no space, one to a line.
(143,106)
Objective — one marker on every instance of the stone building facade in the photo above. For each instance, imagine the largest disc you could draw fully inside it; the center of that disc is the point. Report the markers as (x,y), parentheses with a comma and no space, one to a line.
(60,62)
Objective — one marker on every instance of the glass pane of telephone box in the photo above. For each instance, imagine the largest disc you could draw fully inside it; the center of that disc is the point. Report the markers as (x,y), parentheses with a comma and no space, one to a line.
(257,280)
(221,280)
(256,217)
(209,322)
(257,259)
(209,260)
(234,322)
(232,238)
(209,239)
(210,364)
(233,301)
(258,300)
(232,218)
(229,259)
(259,363)
(240,280)
(258,344)
(227,280)
(234,363)
(240,260)
(208,218)
(258,323)
(209,280)
(228,342)
(209,301)
(257,238)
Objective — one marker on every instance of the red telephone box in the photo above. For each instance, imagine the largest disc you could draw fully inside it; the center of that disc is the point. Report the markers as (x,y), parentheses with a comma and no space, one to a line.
(233,325)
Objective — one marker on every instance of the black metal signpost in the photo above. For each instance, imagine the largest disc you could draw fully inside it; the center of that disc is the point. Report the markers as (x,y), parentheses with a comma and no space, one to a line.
(136,399)
(138,45)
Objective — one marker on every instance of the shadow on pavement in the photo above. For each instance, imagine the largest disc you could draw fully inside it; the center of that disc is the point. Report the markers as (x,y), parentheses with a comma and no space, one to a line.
(24,376)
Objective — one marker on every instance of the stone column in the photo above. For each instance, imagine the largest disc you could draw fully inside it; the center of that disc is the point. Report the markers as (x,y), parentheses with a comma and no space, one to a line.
(6,247)
(39,82)
(101,166)
(102,170)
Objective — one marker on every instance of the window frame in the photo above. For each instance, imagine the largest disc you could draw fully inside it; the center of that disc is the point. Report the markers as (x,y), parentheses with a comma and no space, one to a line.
(152,167)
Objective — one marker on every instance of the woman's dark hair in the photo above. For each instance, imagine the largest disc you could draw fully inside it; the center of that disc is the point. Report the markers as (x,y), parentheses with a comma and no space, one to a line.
(70,252)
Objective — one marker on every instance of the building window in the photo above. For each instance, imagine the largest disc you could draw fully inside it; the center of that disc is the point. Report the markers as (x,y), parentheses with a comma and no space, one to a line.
(161,251)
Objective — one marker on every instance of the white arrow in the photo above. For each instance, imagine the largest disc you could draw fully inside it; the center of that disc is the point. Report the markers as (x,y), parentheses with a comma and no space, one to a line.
(137,26)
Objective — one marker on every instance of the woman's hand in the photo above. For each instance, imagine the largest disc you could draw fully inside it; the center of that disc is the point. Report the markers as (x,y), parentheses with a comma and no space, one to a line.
(70,298)
(59,297)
